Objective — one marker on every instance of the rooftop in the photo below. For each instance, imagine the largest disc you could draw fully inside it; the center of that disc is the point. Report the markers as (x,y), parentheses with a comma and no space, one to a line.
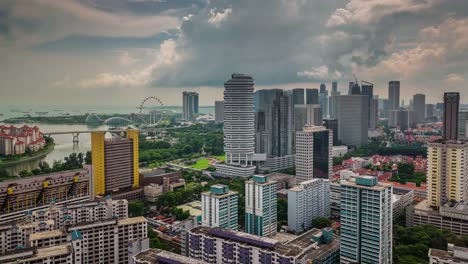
(132,220)
(47,234)
(153,256)
(380,186)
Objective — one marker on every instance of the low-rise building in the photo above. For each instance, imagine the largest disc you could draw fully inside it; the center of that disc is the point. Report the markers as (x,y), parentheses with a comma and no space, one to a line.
(215,245)
(453,255)
(158,256)
(401,199)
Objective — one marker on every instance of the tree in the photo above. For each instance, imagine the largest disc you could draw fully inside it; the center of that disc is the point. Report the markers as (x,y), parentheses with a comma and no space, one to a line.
(137,208)
(88,159)
(321,222)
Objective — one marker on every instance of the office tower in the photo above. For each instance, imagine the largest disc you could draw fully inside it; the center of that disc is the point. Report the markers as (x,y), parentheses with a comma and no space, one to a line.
(447,172)
(323,100)
(313,153)
(356,89)
(115,162)
(260,206)
(429,111)
(312,96)
(189,105)
(352,115)
(366,221)
(368,90)
(334,88)
(450,119)
(393,100)
(219,207)
(332,124)
(404,118)
(419,105)
(462,124)
(298,96)
(374,113)
(273,134)
(239,127)
(219,111)
(307,201)
(307,115)
(350,87)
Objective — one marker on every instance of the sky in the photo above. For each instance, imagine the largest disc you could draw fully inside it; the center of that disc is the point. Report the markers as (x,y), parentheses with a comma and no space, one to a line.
(117,52)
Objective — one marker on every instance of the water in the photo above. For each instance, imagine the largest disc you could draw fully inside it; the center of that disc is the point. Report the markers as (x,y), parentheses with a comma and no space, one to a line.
(63,143)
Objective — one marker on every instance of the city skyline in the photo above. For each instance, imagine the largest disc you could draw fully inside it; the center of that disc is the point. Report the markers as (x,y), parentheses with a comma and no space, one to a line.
(124,50)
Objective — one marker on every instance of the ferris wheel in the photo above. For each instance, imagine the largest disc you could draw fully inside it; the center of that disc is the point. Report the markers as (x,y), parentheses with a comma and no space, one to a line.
(151,110)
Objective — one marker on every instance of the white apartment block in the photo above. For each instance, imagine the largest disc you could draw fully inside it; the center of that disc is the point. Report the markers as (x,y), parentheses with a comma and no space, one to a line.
(261,206)
(307,201)
(220,207)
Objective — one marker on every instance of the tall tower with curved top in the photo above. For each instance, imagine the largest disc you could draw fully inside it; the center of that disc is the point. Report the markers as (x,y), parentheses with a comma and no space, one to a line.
(239,119)
(239,127)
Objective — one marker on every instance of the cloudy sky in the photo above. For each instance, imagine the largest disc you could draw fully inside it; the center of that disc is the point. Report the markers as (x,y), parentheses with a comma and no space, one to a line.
(113,52)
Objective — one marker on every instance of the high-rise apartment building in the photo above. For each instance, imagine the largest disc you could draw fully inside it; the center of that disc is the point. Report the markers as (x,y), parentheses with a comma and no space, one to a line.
(219,207)
(115,162)
(298,96)
(352,115)
(239,127)
(307,115)
(393,100)
(366,221)
(450,118)
(313,153)
(189,105)
(419,108)
(260,206)
(447,172)
(307,201)
(312,96)
(219,111)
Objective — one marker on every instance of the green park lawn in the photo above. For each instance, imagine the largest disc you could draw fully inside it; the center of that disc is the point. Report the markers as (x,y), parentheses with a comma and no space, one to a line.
(201,164)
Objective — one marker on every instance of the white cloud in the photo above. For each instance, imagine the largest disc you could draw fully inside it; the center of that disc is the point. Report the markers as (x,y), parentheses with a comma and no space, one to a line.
(320,73)
(454,78)
(166,56)
(126,59)
(216,18)
(369,11)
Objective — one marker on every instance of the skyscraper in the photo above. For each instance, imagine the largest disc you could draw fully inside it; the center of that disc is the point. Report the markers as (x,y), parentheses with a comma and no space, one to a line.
(419,108)
(190,105)
(298,96)
(332,124)
(307,201)
(313,153)
(219,111)
(450,119)
(350,88)
(115,162)
(312,96)
(219,207)
(352,115)
(260,206)
(366,221)
(429,111)
(368,90)
(273,135)
(307,115)
(393,100)
(323,100)
(356,89)
(334,88)
(462,124)
(239,127)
